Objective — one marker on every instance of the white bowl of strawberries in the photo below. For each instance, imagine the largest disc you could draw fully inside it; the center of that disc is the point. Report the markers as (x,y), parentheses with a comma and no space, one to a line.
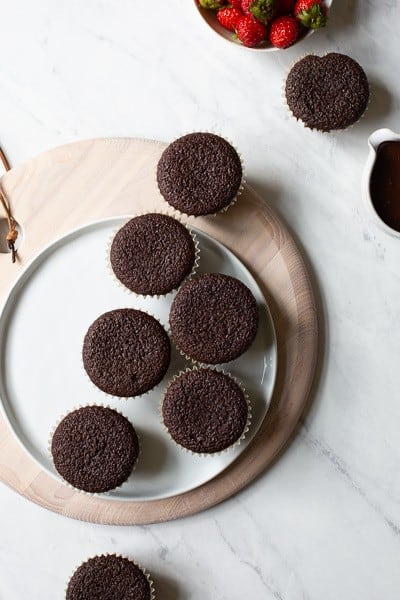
(264,25)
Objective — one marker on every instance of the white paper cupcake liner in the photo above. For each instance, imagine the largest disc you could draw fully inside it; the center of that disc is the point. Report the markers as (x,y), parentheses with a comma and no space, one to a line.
(137,564)
(69,485)
(298,120)
(178,217)
(246,427)
(166,328)
(234,199)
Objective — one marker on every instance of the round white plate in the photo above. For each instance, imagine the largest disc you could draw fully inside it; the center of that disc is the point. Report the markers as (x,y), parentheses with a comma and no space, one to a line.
(42,325)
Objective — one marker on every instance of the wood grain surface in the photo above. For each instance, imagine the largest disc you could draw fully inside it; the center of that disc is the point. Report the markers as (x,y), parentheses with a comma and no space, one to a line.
(82,182)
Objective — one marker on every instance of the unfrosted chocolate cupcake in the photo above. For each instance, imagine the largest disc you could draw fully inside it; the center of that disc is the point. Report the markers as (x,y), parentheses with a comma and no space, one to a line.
(109,577)
(214,318)
(199,174)
(205,411)
(126,352)
(327,93)
(152,254)
(94,448)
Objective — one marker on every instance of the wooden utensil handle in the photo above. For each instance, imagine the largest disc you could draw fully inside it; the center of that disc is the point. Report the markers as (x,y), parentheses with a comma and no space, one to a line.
(12,233)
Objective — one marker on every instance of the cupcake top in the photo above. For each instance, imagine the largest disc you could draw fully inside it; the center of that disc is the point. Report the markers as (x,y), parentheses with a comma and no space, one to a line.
(94,448)
(152,254)
(214,318)
(126,352)
(108,577)
(205,411)
(327,93)
(199,174)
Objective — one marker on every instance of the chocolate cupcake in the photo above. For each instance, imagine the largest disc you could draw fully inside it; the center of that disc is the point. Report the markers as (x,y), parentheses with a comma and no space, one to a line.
(213,318)
(94,448)
(109,577)
(126,352)
(199,174)
(205,411)
(152,254)
(327,93)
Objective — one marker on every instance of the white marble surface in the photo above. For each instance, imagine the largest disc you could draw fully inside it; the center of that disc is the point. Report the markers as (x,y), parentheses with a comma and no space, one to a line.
(324,522)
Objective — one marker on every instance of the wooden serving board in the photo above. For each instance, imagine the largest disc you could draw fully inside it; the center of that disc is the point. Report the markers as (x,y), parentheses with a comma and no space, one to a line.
(86,181)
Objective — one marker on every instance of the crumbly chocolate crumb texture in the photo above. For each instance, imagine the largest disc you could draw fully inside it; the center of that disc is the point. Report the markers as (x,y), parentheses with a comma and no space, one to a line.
(214,318)
(152,254)
(108,578)
(94,448)
(205,411)
(199,174)
(327,93)
(126,352)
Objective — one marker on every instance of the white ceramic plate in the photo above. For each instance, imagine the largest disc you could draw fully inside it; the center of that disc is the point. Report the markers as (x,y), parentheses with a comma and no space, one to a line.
(42,326)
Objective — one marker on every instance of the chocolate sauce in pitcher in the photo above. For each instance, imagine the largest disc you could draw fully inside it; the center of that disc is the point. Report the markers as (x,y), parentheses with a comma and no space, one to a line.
(385,184)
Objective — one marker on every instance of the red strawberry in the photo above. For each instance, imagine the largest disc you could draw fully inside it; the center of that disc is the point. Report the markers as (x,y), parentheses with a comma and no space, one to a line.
(250,32)
(262,10)
(310,13)
(284,31)
(229,17)
(284,7)
(236,4)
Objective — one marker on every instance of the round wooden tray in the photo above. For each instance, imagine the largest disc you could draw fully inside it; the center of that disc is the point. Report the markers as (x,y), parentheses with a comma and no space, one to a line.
(82,182)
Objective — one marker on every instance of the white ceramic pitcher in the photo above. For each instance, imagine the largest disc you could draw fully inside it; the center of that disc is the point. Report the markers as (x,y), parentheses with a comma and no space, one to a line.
(375,139)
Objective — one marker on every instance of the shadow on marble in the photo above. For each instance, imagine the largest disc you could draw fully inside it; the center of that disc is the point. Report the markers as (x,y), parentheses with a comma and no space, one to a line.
(379,108)
(167,589)
(344,13)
